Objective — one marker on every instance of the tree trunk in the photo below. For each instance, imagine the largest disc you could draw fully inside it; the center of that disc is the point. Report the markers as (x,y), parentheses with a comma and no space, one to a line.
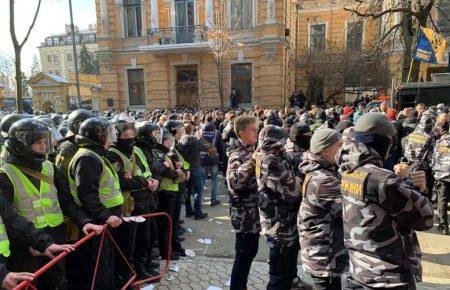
(19,92)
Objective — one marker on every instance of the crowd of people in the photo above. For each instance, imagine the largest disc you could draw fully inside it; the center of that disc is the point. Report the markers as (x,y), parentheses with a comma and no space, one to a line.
(343,186)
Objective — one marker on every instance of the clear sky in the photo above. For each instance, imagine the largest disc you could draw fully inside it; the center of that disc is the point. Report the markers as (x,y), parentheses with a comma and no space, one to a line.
(54,14)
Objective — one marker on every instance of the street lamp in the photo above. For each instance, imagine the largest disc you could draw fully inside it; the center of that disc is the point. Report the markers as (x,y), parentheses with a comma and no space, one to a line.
(298,6)
(75,59)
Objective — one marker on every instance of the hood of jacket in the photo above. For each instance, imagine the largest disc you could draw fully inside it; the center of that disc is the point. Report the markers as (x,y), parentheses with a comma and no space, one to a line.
(235,144)
(272,139)
(311,162)
(353,155)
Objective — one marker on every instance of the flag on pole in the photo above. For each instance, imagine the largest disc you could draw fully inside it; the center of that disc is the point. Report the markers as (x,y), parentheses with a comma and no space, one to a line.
(430,46)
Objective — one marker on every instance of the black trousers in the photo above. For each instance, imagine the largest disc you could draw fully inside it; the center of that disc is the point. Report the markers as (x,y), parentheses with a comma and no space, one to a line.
(86,257)
(282,267)
(348,283)
(443,193)
(166,203)
(21,260)
(153,227)
(325,283)
(246,249)
(141,237)
(176,245)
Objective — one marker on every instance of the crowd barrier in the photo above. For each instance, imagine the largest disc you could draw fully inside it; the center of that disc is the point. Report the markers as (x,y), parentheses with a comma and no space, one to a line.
(28,285)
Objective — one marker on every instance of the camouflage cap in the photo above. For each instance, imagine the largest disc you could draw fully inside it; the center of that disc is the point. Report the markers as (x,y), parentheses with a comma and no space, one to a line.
(375,123)
(322,138)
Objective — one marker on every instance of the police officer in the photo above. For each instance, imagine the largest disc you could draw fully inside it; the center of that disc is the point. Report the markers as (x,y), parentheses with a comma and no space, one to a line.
(176,128)
(95,185)
(149,134)
(14,228)
(137,186)
(5,124)
(242,189)
(381,211)
(67,147)
(441,170)
(323,253)
(279,201)
(170,179)
(40,193)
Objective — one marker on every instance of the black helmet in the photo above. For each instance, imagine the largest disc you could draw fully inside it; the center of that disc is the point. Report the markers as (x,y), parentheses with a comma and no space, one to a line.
(123,122)
(98,130)
(173,125)
(10,119)
(150,132)
(23,134)
(77,117)
(57,119)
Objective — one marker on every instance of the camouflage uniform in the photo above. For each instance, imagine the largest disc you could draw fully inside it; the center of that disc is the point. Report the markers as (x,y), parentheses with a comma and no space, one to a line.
(293,155)
(244,211)
(242,187)
(418,147)
(441,170)
(279,201)
(320,221)
(380,214)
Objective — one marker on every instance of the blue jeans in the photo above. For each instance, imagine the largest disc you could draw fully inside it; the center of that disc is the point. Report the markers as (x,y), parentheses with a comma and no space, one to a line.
(214,171)
(195,188)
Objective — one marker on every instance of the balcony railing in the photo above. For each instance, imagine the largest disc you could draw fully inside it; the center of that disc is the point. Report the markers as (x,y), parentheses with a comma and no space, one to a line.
(177,35)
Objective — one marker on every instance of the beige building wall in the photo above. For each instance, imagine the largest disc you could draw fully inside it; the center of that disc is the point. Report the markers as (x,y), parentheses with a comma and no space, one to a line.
(264,47)
(64,54)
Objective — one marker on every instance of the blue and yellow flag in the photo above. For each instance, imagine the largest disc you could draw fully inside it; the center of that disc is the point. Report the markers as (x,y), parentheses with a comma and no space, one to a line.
(430,46)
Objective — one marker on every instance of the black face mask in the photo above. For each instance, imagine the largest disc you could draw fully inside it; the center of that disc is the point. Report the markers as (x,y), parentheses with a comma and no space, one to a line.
(303,142)
(126,145)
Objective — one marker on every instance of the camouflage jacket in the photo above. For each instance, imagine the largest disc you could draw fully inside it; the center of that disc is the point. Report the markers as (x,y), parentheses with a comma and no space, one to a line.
(418,147)
(241,182)
(441,159)
(380,214)
(293,155)
(279,193)
(320,219)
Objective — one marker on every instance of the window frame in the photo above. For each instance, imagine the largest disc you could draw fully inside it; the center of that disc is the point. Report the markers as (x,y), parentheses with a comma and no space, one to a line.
(251,22)
(136,7)
(347,30)
(140,87)
(310,36)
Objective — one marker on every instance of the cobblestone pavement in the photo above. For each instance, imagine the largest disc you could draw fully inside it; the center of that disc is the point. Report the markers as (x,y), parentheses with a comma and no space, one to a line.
(211,266)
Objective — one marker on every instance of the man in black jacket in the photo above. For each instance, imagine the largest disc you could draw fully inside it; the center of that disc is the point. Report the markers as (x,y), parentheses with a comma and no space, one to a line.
(28,178)
(191,147)
(18,229)
(95,185)
(136,183)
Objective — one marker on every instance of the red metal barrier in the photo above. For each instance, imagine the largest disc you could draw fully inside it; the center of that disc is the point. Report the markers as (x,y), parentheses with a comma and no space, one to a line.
(137,284)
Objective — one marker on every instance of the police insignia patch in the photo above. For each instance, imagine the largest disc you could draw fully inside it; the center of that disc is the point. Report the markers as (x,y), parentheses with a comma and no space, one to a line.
(352,183)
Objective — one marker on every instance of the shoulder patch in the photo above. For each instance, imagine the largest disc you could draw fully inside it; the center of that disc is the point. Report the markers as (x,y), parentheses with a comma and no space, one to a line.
(353,183)
(305,183)
(258,166)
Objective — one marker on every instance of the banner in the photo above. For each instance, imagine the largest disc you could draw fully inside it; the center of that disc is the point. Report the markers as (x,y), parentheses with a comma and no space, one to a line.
(430,46)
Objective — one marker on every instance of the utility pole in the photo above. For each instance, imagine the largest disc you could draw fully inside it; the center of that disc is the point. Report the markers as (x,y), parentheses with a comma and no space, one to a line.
(298,6)
(75,58)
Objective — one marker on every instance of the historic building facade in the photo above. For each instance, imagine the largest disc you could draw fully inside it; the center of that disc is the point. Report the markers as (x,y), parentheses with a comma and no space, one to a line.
(161,53)
(56,52)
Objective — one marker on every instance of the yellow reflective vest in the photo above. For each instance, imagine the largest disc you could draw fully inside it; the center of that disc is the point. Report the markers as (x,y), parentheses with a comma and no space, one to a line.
(109,186)
(4,241)
(41,207)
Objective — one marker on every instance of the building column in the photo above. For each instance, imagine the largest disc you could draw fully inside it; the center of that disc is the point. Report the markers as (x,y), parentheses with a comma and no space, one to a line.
(154,14)
(209,13)
(104,17)
(271,12)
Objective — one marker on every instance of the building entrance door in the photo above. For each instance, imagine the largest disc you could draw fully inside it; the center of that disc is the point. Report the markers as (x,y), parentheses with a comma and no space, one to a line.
(187,86)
